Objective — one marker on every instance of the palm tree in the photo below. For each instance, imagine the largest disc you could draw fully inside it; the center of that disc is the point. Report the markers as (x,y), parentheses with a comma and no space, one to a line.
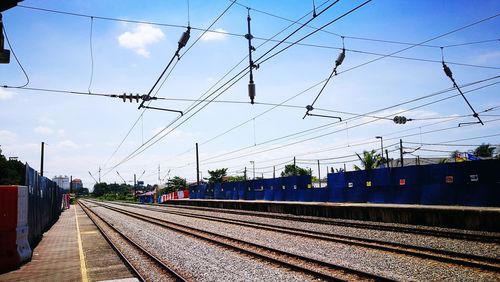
(370,160)
(484,150)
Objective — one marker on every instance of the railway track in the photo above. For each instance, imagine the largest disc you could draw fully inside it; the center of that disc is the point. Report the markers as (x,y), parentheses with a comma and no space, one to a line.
(154,265)
(469,236)
(316,268)
(423,252)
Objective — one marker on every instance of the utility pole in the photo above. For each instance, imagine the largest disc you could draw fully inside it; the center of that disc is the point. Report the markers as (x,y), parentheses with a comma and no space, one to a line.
(99,174)
(274,171)
(71,184)
(197,167)
(294,166)
(135,184)
(245,173)
(401,151)
(381,145)
(159,180)
(319,175)
(387,156)
(41,160)
(253,168)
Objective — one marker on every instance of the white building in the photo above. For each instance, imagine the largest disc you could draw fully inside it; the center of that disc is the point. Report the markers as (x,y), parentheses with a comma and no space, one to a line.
(62,181)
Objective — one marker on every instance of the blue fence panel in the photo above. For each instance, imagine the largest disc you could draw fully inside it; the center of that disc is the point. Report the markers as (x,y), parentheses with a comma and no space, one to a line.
(439,184)
(405,182)
(482,184)
(258,188)
(356,191)
(279,191)
(202,191)
(337,187)
(218,191)
(270,185)
(228,188)
(320,194)
(291,187)
(193,192)
(241,187)
(249,189)
(378,186)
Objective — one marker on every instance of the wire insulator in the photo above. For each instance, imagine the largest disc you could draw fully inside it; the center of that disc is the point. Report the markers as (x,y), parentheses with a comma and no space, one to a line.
(184,38)
(251,92)
(447,71)
(340,58)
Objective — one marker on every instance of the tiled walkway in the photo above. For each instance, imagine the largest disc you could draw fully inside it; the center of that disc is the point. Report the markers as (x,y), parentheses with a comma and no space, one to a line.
(59,257)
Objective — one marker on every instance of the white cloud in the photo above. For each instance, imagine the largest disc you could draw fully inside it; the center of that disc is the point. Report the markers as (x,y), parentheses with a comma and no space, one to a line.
(6,95)
(44,130)
(485,58)
(138,39)
(220,34)
(68,144)
(7,136)
(46,120)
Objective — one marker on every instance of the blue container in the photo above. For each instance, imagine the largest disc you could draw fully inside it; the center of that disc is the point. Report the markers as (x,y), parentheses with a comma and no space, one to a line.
(440,184)
(258,188)
(337,187)
(356,191)
(378,186)
(405,182)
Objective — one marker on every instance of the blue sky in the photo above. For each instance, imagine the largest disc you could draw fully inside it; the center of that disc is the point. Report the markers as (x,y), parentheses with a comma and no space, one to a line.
(83,132)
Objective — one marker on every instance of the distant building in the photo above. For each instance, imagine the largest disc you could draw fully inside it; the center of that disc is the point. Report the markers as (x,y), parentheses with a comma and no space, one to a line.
(77,184)
(62,181)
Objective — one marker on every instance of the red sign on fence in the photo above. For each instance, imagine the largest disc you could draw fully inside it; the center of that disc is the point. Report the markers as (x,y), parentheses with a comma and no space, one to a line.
(402,181)
(449,179)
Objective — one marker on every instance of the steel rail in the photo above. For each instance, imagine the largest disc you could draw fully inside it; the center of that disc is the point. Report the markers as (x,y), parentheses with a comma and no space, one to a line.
(286,259)
(153,258)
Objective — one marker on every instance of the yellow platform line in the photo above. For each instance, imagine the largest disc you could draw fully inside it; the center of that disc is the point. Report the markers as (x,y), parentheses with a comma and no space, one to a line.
(83,267)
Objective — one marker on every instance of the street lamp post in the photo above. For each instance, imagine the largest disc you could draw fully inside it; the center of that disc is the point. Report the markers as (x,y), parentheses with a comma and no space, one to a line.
(253,168)
(381,145)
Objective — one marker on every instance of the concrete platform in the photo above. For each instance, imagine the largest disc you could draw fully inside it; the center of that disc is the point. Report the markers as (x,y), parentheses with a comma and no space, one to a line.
(72,250)
(460,217)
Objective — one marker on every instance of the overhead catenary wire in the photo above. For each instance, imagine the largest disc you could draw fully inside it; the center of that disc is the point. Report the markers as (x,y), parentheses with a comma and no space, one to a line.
(311,138)
(242,35)
(338,62)
(231,82)
(384,109)
(449,74)
(418,44)
(161,85)
(15,56)
(91,54)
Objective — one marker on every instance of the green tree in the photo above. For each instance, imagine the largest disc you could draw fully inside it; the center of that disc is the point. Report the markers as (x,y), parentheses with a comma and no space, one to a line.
(235,178)
(216,176)
(11,171)
(175,184)
(294,170)
(100,189)
(370,160)
(484,151)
